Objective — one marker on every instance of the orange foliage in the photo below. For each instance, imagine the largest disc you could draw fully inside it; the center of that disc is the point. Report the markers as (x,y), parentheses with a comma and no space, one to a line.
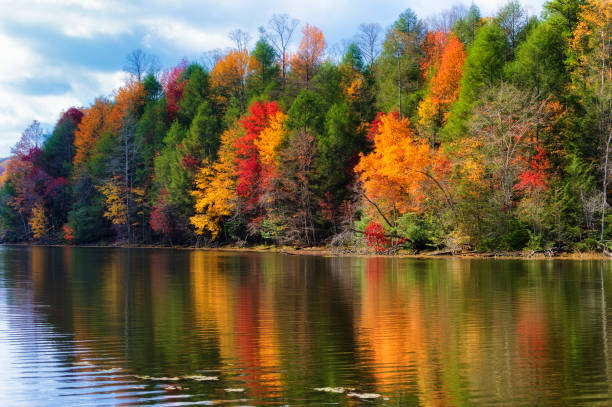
(103,117)
(305,62)
(399,171)
(433,45)
(96,121)
(128,99)
(445,82)
(230,73)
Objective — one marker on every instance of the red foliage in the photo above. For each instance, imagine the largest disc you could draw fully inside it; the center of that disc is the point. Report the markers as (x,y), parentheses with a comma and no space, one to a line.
(376,237)
(190,163)
(535,177)
(68,233)
(160,218)
(160,222)
(73,114)
(248,167)
(173,86)
(54,186)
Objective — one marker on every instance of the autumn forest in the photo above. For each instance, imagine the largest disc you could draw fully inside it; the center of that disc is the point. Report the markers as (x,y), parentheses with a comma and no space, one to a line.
(456,132)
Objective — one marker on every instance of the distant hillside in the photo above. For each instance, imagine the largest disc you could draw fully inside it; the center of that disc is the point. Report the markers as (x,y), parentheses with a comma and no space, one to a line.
(3,164)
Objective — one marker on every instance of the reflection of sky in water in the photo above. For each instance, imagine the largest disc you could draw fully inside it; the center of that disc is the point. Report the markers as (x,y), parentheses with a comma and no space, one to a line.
(115,326)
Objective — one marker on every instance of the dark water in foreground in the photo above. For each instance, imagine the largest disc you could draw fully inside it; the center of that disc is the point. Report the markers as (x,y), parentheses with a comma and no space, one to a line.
(168,327)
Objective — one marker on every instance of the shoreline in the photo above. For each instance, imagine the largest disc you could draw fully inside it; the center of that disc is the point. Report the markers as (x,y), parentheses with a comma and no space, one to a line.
(328,252)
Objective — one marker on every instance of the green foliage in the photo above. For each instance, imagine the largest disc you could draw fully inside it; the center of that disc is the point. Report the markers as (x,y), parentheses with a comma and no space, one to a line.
(540,61)
(406,22)
(307,112)
(398,67)
(421,232)
(266,75)
(171,174)
(353,57)
(195,91)
(465,28)
(483,68)
(203,139)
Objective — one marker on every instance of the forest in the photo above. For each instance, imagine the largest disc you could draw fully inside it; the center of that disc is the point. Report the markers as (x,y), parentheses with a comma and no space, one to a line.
(456,132)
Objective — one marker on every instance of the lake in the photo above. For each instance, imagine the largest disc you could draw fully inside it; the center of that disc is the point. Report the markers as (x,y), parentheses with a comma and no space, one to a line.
(97,326)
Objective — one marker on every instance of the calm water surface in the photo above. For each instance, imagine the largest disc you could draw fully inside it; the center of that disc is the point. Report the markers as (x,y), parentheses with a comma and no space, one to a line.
(92,326)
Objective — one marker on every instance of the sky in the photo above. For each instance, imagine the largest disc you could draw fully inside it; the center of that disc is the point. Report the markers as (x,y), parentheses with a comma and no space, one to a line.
(55,54)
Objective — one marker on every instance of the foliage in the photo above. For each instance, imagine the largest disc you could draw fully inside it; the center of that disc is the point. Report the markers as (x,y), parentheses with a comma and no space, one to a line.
(488,132)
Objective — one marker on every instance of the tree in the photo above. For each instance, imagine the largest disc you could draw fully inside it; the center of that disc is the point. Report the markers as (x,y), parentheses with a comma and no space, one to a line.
(172,82)
(295,203)
(512,19)
(482,70)
(267,71)
(38,221)
(401,170)
(281,30)
(369,42)
(444,85)
(115,193)
(203,138)
(398,68)
(195,91)
(230,74)
(269,140)
(507,125)
(305,62)
(248,164)
(138,64)
(95,122)
(306,112)
(241,39)
(215,192)
(466,28)
(540,61)
(59,147)
(31,139)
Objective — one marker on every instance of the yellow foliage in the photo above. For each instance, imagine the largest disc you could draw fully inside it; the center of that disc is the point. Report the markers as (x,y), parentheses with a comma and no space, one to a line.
(38,221)
(427,110)
(395,173)
(215,192)
(270,138)
(354,90)
(590,43)
(116,209)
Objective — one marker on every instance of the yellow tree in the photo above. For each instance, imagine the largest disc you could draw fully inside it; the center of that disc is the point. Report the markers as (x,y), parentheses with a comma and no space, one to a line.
(215,192)
(38,221)
(401,169)
(308,58)
(114,196)
(270,138)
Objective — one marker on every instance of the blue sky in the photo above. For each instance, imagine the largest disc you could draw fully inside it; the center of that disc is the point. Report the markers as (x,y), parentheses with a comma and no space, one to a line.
(61,53)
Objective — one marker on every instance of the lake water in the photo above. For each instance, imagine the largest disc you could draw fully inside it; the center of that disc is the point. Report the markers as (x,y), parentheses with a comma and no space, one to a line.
(91,326)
